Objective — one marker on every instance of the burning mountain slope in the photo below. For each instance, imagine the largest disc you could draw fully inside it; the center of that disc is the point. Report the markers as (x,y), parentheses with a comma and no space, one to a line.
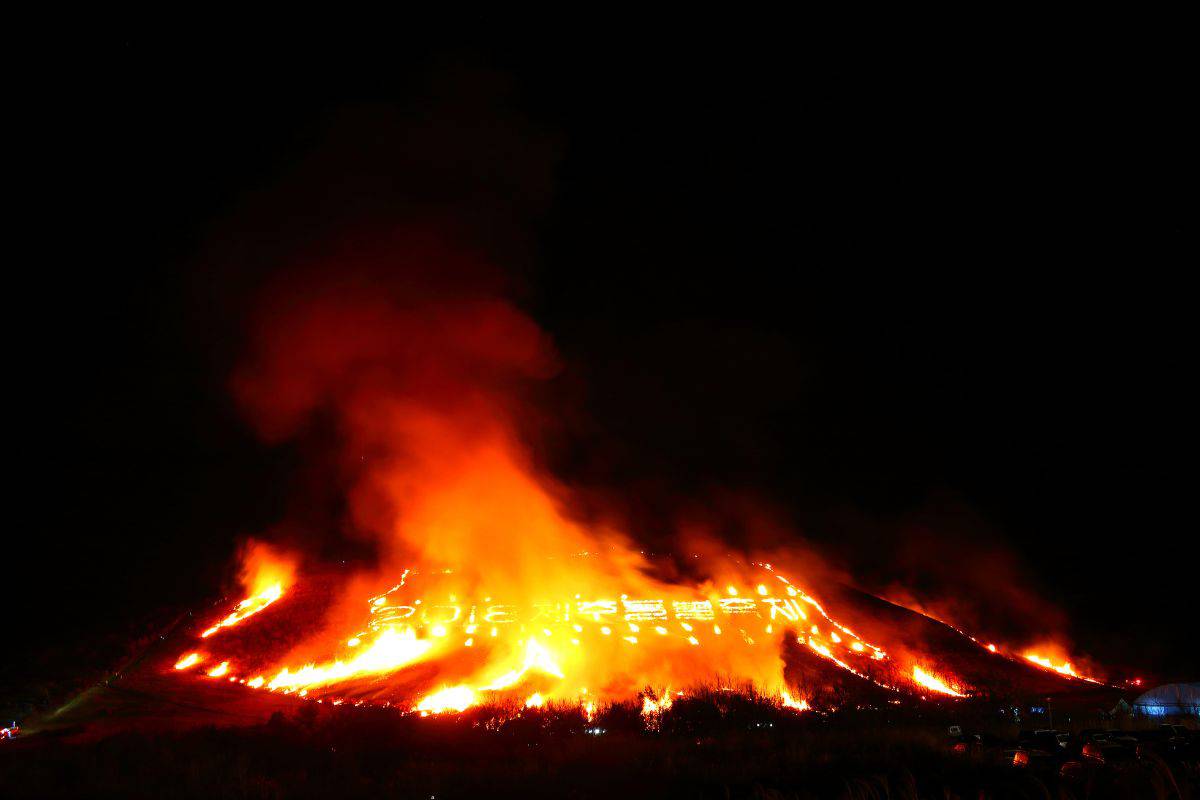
(423,647)
(153,694)
(484,574)
(489,581)
(993,671)
(581,648)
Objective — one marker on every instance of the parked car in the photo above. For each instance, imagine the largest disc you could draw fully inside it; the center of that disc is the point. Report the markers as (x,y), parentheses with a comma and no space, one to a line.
(1107,751)
(1046,739)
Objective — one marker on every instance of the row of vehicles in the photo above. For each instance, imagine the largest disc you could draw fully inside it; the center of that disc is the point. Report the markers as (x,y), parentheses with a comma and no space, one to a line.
(1168,741)
(1067,752)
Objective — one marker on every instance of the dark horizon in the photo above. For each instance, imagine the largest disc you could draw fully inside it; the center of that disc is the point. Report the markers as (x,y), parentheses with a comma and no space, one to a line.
(928,317)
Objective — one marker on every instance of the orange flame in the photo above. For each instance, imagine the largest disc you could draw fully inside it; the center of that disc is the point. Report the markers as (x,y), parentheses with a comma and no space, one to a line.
(265,573)
(787,701)
(191,659)
(455,698)
(247,608)
(652,705)
(588,642)
(1062,668)
(930,681)
(518,598)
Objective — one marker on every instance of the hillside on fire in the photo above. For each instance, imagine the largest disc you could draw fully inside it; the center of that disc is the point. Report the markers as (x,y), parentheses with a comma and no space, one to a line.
(485,416)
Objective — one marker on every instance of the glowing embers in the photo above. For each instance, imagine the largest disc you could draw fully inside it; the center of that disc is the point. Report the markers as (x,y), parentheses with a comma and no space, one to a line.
(1064,668)
(248,608)
(934,683)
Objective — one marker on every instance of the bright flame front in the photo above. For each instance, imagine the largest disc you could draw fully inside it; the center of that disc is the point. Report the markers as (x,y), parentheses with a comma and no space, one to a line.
(552,651)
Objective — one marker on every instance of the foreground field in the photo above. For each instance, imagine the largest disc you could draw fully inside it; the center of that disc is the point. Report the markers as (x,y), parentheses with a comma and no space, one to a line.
(707,748)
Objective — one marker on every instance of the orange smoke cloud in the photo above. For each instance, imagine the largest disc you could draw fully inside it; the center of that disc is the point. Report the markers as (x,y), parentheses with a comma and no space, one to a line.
(427,393)
(429,389)
(428,384)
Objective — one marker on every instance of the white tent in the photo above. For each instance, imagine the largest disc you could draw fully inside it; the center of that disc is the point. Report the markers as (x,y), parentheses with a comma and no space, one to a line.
(1170,699)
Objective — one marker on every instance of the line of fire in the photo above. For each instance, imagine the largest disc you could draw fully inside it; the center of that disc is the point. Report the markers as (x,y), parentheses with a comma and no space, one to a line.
(429,645)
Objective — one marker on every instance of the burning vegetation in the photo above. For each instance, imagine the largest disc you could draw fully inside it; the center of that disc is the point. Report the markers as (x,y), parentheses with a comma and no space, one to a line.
(425,646)
(580,650)
(488,586)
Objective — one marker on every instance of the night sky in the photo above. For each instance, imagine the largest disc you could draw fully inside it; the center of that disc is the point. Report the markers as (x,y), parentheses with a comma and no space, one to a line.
(932,309)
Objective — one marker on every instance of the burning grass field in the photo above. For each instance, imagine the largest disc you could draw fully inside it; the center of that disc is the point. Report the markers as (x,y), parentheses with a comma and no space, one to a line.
(153,728)
(426,645)
(413,658)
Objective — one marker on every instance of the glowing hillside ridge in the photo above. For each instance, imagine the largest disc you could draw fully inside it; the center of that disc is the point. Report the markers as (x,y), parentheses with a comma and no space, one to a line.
(567,646)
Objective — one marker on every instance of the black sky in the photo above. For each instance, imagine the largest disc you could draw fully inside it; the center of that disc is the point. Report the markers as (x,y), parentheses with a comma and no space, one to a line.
(918,296)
